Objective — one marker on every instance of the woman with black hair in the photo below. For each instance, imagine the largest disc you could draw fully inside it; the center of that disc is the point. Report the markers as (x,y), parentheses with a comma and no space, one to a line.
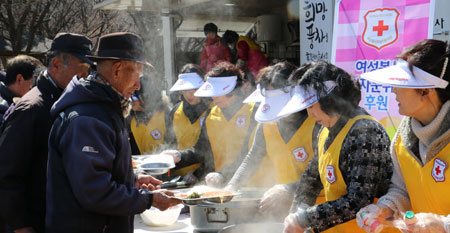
(284,143)
(420,149)
(187,117)
(150,112)
(352,164)
(225,136)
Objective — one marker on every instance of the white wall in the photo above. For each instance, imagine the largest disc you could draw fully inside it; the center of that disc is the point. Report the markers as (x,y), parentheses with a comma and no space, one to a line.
(442,20)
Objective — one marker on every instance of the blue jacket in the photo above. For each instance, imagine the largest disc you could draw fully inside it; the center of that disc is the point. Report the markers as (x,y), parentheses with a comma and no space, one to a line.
(90,180)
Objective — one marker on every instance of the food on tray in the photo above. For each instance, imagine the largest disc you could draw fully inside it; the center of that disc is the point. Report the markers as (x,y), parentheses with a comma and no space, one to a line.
(193,195)
(207,194)
(216,194)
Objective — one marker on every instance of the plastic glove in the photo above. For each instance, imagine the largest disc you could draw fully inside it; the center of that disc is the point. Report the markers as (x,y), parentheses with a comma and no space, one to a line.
(276,202)
(373,213)
(190,178)
(426,223)
(214,179)
(231,188)
(174,153)
(291,225)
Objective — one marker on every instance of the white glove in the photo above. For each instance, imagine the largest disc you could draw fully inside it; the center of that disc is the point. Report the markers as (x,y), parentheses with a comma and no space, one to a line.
(174,153)
(372,213)
(276,202)
(214,179)
(426,223)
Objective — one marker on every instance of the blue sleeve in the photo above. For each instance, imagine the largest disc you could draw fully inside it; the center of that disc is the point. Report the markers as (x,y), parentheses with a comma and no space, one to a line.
(88,151)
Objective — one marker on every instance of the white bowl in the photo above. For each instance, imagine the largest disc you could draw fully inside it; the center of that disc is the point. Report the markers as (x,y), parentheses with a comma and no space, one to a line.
(157,218)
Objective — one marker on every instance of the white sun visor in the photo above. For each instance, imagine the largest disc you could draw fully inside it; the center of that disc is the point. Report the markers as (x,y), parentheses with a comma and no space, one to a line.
(302,98)
(255,97)
(400,75)
(272,103)
(187,81)
(217,86)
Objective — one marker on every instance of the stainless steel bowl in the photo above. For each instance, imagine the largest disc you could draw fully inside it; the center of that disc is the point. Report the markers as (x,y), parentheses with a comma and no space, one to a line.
(155,168)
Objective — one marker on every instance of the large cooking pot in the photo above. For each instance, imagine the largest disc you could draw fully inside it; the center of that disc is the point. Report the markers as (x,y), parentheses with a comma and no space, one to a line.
(212,217)
(254,228)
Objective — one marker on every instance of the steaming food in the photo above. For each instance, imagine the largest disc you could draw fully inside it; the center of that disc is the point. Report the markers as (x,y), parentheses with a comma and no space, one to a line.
(193,195)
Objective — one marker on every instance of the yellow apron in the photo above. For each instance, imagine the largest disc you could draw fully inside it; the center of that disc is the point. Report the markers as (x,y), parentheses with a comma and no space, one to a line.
(330,175)
(251,44)
(151,135)
(427,186)
(227,137)
(187,135)
(262,178)
(291,159)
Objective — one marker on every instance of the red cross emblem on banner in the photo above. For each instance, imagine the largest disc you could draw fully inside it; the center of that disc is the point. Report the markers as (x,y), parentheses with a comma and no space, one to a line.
(380,27)
(156,134)
(438,172)
(300,154)
(331,174)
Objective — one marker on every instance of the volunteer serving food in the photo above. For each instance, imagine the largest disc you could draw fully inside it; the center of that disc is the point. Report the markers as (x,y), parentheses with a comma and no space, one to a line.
(285,143)
(225,136)
(188,115)
(352,163)
(420,149)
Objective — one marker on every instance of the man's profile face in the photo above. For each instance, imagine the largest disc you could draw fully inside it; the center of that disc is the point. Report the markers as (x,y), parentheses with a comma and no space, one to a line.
(25,86)
(127,78)
(74,66)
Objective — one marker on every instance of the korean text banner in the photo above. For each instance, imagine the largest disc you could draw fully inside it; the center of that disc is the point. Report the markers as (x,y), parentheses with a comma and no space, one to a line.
(368,35)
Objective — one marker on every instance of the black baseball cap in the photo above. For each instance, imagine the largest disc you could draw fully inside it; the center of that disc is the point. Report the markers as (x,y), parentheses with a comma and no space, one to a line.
(75,44)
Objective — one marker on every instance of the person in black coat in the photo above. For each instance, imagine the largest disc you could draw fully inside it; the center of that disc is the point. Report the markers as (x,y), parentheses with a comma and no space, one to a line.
(24,140)
(91,186)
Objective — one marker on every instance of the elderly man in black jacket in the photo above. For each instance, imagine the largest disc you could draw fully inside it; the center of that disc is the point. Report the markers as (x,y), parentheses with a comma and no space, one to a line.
(24,140)
(91,186)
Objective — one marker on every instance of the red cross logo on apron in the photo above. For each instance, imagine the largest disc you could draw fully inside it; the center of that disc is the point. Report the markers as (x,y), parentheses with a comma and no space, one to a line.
(240,121)
(331,175)
(438,172)
(156,134)
(300,154)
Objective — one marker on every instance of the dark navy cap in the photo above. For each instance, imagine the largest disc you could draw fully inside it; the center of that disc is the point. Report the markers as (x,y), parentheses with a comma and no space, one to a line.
(77,45)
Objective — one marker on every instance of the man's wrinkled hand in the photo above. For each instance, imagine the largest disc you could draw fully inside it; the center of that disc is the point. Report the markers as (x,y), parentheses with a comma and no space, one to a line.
(162,199)
(147,182)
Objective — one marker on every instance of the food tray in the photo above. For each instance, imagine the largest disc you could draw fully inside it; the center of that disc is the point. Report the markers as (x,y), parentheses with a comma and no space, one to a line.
(211,196)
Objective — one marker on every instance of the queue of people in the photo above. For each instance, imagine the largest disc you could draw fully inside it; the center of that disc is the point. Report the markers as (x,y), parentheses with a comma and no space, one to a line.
(66,145)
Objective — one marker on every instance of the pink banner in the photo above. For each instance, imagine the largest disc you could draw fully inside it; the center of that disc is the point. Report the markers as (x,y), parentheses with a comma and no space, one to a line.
(368,35)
